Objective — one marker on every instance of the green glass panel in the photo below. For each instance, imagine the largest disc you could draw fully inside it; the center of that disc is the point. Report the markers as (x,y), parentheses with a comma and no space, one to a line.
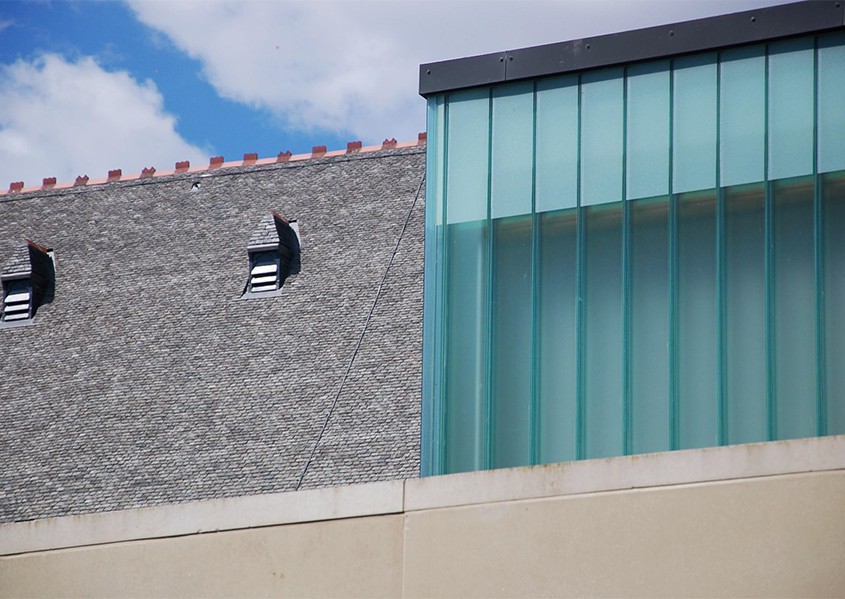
(601,136)
(745,313)
(698,406)
(791,110)
(511,305)
(603,423)
(742,129)
(694,123)
(513,149)
(468,120)
(650,325)
(429,462)
(557,144)
(557,344)
(833,186)
(831,108)
(794,308)
(466,348)
(647,138)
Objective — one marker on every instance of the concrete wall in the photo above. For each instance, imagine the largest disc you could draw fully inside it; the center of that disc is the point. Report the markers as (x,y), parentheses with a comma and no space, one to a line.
(753,520)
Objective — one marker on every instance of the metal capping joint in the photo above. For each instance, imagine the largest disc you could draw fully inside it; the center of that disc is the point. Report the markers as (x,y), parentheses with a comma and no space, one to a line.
(662,41)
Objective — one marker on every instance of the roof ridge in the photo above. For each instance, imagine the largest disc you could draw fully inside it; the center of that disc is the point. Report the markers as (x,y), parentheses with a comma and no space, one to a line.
(214,163)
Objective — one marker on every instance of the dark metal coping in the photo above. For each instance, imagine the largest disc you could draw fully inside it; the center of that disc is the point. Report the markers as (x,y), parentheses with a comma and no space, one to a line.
(662,41)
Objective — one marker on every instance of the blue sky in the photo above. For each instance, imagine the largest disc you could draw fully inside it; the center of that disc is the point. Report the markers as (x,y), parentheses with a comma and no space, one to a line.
(87,86)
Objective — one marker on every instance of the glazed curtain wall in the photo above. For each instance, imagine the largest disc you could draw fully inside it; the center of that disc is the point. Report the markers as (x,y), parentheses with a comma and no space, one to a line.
(637,259)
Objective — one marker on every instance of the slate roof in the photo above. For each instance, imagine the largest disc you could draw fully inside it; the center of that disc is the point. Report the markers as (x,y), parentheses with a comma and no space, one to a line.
(147,379)
(17,262)
(265,232)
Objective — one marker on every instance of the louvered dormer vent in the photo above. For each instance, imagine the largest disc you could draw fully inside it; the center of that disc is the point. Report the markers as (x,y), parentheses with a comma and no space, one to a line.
(264,274)
(273,256)
(28,280)
(17,305)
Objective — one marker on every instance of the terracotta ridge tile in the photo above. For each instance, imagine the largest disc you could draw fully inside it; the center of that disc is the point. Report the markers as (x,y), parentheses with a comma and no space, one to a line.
(215,164)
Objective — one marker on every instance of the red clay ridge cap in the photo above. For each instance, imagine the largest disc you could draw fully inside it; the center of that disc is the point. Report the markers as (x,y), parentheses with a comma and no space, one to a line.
(250,158)
(37,246)
(114,175)
(278,216)
(49,183)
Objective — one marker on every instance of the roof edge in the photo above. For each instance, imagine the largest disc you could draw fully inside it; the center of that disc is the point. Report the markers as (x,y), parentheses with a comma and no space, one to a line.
(215,163)
(661,41)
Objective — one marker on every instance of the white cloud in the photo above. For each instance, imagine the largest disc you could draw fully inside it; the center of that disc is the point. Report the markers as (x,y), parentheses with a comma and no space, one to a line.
(353,65)
(81,119)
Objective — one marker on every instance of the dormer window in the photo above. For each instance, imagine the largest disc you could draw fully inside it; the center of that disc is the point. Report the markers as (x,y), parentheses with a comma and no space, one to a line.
(273,256)
(27,279)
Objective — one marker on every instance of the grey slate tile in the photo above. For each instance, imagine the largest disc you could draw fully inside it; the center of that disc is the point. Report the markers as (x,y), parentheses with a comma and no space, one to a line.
(148,381)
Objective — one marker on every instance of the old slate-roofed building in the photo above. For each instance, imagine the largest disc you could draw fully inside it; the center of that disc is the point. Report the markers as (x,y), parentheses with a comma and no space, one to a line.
(147,379)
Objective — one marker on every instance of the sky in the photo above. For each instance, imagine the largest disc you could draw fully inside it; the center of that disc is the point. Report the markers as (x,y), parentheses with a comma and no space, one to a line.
(89,86)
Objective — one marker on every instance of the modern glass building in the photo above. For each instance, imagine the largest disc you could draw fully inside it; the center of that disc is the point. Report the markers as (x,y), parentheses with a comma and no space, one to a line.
(636,243)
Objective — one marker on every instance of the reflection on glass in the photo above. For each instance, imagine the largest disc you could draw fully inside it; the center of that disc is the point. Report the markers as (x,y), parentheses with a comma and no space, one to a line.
(698,409)
(794,308)
(831,90)
(833,188)
(790,108)
(694,123)
(602,138)
(468,121)
(511,345)
(466,349)
(513,152)
(647,122)
(556,183)
(650,325)
(558,334)
(745,313)
(603,330)
(742,113)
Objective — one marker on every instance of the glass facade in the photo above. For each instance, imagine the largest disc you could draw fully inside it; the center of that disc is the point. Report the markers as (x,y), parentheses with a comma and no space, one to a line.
(637,259)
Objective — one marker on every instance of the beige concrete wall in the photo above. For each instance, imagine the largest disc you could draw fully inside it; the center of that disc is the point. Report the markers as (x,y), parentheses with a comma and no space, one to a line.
(764,537)
(360,557)
(755,520)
